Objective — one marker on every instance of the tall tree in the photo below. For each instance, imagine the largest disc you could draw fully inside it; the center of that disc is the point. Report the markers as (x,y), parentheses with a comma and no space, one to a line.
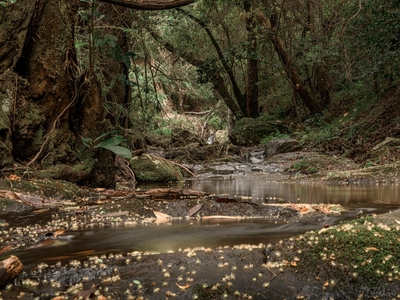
(271,26)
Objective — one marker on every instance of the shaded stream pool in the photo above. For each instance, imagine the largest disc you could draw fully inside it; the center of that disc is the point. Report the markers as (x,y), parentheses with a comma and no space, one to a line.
(180,234)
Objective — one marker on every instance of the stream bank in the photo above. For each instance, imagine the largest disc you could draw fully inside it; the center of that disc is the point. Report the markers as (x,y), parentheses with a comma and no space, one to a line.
(240,272)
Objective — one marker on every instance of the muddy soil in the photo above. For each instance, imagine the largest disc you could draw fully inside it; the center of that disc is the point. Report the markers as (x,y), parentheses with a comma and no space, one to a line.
(239,272)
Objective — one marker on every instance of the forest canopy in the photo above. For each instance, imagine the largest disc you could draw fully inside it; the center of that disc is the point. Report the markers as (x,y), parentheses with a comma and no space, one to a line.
(75,71)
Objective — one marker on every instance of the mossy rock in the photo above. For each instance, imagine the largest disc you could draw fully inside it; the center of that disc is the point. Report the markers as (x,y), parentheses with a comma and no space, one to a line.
(58,189)
(282,146)
(250,132)
(148,168)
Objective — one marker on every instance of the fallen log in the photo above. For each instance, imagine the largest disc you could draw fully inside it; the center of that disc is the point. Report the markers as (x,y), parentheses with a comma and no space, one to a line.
(171,194)
(9,269)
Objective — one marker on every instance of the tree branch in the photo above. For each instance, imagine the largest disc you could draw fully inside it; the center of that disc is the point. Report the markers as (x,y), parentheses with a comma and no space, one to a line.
(150,4)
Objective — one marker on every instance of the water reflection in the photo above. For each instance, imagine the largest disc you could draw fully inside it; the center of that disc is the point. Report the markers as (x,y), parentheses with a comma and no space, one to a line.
(264,189)
(212,233)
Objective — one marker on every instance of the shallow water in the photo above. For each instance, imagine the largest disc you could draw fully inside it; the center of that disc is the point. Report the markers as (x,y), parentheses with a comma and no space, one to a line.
(212,233)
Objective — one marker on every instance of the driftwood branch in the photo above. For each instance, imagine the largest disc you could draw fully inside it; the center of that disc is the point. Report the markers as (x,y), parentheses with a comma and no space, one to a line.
(150,4)
(9,269)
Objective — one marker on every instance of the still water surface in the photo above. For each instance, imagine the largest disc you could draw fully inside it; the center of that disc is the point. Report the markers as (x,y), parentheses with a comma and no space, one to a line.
(370,198)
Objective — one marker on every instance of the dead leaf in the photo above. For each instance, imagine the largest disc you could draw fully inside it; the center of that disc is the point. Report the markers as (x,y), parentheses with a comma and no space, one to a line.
(58,232)
(6,248)
(86,294)
(170,294)
(194,209)
(293,263)
(304,210)
(324,210)
(14,177)
(371,249)
(160,215)
(326,283)
(397,221)
(183,287)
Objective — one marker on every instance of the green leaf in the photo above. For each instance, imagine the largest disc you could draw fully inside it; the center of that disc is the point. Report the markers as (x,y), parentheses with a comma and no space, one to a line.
(112,141)
(137,282)
(87,142)
(105,134)
(111,44)
(120,151)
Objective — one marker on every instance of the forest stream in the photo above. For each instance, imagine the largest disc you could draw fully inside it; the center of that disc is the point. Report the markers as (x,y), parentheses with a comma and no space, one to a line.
(181,233)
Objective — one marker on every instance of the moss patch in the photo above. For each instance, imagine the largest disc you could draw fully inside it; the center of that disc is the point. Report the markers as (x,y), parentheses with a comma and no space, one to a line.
(359,253)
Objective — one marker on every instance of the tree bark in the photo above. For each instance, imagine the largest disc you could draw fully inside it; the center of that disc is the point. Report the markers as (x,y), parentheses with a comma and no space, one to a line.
(150,4)
(9,269)
(252,64)
(116,67)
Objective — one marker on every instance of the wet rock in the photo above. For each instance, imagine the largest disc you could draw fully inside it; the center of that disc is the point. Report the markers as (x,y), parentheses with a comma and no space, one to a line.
(282,146)
(250,132)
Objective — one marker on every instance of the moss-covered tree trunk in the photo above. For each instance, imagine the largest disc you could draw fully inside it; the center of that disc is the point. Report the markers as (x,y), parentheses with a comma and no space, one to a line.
(48,102)
(43,88)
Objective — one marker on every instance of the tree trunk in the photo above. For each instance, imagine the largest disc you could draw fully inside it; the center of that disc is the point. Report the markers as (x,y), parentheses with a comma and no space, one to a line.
(116,66)
(252,64)
(215,78)
(241,99)
(270,25)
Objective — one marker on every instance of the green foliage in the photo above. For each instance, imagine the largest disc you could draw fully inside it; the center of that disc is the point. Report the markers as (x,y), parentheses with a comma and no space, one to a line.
(303,166)
(110,143)
(6,3)
(276,136)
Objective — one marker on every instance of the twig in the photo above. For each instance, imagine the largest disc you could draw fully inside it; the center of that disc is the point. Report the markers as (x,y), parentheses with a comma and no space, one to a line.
(272,273)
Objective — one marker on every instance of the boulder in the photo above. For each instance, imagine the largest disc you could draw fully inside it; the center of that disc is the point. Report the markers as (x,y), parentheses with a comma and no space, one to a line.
(250,132)
(148,168)
(282,146)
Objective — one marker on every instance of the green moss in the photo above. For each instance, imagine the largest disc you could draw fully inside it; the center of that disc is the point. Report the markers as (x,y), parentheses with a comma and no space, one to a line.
(303,166)
(355,254)
(46,187)
(148,168)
